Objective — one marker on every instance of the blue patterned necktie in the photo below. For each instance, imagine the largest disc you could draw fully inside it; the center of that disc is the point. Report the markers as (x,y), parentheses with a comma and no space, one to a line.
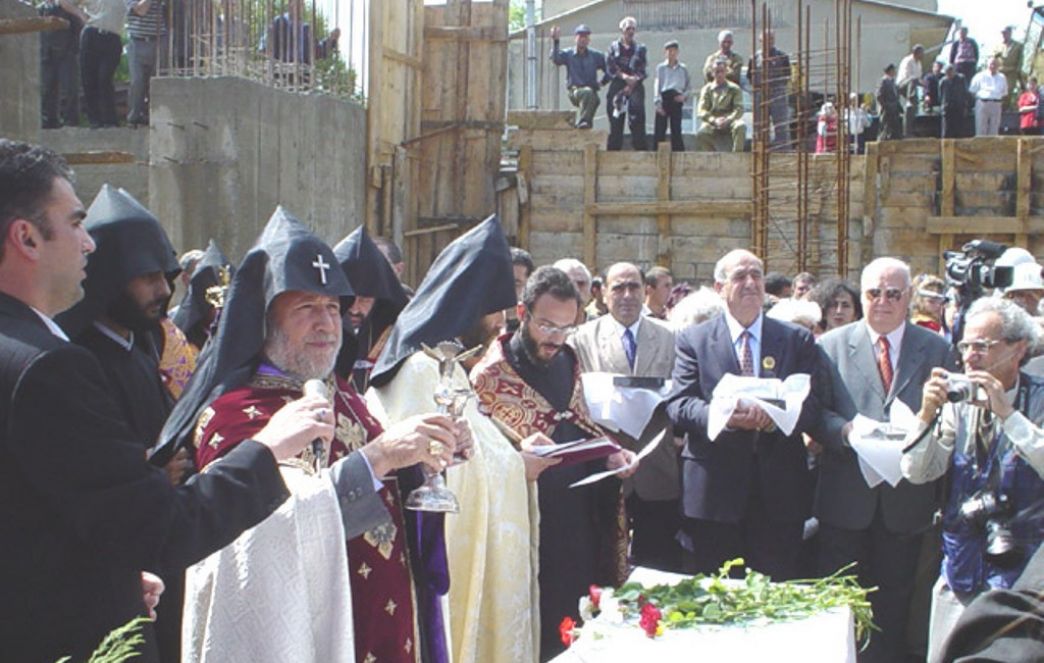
(629,347)
(746,356)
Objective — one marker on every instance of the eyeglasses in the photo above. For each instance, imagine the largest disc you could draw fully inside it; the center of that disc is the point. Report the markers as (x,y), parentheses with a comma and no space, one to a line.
(939,297)
(891,294)
(551,330)
(980,347)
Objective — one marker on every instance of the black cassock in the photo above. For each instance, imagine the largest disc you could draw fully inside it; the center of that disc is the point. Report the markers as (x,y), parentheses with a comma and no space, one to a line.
(570,518)
(135,379)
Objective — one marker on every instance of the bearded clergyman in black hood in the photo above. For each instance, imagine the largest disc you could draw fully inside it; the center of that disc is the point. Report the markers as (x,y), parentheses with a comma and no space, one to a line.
(126,294)
(379,298)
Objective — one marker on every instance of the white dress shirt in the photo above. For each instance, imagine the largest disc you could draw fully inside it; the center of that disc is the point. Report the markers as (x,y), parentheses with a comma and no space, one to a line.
(735,329)
(989,86)
(52,326)
(895,341)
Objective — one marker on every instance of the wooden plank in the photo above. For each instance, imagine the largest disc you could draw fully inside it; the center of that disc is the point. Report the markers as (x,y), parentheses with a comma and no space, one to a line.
(399,56)
(943,225)
(430,231)
(706,208)
(462,33)
(1023,180)
(949,177)
(945,242)
(97,157)
(19,26)
(562,120)
(663,195)
(590,222)
(870,189)
(525,174)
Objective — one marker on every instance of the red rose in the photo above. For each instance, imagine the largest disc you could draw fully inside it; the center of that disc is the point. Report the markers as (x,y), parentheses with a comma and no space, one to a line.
(650,619)
(565,631)
(595,594)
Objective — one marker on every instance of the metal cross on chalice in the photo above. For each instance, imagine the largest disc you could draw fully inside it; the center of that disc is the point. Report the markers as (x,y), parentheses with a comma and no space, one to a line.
(451,398)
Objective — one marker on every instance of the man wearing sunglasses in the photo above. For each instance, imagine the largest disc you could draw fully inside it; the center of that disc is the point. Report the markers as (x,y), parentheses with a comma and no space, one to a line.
(992,446)
(873,363)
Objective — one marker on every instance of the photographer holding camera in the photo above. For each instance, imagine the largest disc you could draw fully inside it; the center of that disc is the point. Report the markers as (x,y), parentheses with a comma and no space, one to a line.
(985,428)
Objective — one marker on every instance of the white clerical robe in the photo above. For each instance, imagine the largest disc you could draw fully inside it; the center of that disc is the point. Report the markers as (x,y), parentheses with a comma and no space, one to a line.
(492,544)
(278,593)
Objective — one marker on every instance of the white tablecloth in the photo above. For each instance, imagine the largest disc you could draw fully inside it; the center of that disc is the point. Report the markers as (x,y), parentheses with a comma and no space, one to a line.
(825,638)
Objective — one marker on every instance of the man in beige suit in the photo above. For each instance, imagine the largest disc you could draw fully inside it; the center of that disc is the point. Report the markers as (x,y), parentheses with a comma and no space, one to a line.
(628,343)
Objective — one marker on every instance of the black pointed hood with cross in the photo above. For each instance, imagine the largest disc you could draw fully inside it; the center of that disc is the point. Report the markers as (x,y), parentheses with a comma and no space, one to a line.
(471,278)
(194,312)
(371,275)
(130,242)
(286,257)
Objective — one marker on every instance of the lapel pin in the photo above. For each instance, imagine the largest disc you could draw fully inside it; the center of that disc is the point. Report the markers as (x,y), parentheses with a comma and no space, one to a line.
(768,363)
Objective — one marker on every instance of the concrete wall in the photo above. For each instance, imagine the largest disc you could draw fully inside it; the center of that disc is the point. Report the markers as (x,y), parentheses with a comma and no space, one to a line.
(19,77)
(134,177)
(225,151)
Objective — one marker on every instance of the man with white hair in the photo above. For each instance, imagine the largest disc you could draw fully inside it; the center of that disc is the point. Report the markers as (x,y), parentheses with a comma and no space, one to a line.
(745,492)
(625,65)
(873,363)
(733,60)
(989,439)
(581,278)
(990,89)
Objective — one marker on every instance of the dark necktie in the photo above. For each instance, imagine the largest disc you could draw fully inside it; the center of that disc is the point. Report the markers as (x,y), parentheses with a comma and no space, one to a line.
(746,356)
(884,363)
(629,347)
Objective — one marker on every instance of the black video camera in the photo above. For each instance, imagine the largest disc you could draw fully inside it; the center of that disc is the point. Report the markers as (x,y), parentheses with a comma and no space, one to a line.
(974,268)
(993,512)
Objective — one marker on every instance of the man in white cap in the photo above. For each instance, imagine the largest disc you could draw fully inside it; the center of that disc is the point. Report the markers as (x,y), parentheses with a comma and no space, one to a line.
(1027,287)
(733,60)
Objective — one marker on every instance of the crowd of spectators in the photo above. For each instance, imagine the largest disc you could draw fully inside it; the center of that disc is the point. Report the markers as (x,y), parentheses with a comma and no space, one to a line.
(81,61)
(957,96)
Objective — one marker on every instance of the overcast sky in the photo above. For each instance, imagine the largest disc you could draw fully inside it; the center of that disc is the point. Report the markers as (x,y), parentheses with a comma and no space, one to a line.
(985,18)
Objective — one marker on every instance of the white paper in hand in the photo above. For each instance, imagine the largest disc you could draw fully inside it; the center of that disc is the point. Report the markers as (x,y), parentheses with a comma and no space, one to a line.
(598,476)
(879,445)
(626,409)
(732,390)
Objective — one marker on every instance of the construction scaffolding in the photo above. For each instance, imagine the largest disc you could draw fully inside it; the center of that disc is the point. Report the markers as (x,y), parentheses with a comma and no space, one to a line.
(814,127)
(299,45)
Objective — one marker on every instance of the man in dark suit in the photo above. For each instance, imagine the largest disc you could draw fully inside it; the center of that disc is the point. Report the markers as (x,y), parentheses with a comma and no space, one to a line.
(954,102)
(81,510)
(745,493)
(873,363)
(628,343)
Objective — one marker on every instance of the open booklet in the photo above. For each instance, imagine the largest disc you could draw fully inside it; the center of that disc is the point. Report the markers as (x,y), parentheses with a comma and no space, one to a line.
(577,451)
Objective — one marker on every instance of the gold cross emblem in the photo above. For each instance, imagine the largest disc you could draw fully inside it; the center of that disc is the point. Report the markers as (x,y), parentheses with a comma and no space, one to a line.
(364,571)
(252,412)
(390,607)
(215,440)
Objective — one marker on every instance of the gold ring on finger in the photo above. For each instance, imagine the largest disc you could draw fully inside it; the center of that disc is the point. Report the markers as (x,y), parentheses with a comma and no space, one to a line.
(435,448)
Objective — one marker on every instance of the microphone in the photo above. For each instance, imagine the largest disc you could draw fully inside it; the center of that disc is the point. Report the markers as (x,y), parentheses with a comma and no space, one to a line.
(315,387)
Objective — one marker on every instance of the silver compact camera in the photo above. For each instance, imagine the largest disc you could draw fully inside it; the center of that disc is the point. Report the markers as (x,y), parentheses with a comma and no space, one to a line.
(960,389)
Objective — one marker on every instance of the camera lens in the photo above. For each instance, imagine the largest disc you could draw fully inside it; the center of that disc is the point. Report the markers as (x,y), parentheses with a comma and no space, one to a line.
(1001,549)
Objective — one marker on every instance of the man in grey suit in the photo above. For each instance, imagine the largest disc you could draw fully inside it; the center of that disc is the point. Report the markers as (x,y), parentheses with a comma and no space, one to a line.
(628,343)
(873,363)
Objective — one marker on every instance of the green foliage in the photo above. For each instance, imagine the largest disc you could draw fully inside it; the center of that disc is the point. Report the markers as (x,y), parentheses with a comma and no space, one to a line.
(120,645)
(702,600)
(334,77)
(516,15)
